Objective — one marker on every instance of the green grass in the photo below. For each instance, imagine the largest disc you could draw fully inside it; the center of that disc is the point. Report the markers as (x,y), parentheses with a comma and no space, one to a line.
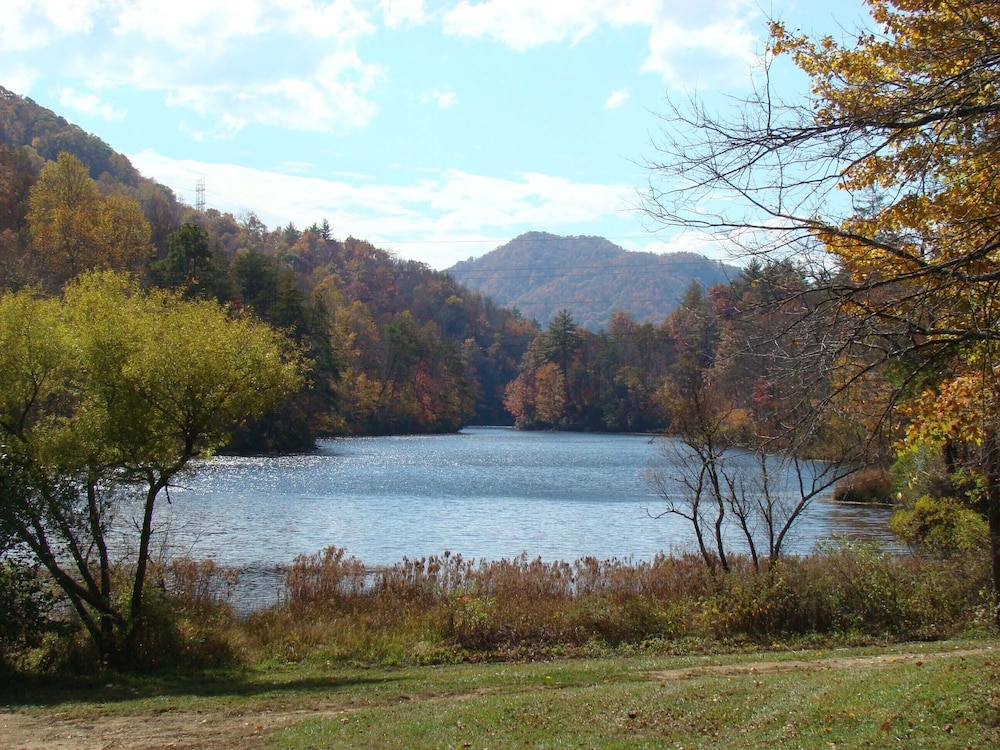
(442,653)
(948,696)
(942,703)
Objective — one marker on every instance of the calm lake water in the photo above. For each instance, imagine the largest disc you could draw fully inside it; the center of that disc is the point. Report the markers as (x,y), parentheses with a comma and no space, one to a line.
(487,493)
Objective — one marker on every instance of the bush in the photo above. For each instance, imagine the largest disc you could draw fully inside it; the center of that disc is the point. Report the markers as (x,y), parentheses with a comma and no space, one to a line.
(27,618)
(189,621)
(920,470)
(941,526)
(869,486)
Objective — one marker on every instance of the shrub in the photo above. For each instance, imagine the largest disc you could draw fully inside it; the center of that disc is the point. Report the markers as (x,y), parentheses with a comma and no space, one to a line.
(189,620)
(919,470)
(27,614)
(941,526)
(869,486)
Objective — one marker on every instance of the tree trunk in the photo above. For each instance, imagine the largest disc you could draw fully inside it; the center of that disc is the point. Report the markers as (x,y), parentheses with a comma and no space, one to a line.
(992,470)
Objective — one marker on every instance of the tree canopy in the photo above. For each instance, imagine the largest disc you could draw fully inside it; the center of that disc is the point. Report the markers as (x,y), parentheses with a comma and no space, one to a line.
(886,178)
(106,396)
(75,229)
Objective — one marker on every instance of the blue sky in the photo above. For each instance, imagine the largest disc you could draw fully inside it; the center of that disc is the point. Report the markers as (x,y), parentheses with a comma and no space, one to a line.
(437,130)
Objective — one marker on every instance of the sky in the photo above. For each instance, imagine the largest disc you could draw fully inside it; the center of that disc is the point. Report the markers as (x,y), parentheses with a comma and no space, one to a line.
(436,130)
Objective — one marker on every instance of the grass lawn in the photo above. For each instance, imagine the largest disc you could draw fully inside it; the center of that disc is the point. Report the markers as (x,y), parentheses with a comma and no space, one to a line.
(926,695)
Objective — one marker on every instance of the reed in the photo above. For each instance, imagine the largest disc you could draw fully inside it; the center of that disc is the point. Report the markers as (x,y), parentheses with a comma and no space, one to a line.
(447,608)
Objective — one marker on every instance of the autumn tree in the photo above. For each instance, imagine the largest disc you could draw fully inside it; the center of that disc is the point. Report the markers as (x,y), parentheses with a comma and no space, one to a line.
(106,397)
(74,228)
(887,175)
(16,178)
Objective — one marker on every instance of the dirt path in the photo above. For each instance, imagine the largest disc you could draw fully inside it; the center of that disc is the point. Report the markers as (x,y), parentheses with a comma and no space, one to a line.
(238,729)
(811,665)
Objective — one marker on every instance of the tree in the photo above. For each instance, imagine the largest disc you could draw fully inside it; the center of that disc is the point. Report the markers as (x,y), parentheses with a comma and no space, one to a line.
(722,484)
(888,173)
(106,396)
(16,177)
(550,395)
(191,265)
(75,229)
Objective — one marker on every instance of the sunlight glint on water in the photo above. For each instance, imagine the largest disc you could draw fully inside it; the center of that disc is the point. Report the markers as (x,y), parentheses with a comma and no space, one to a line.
(485,493)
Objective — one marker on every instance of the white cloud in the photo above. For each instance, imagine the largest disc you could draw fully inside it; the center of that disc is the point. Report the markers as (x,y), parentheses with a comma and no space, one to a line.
(403,12)
(194,26)
(287,63)
(340,19)
(617,99)
(709,55)
(18,79)
(523,24)
(29,25)
(204,26)
(682,35)
(443,99)
(90,104)
(443,207)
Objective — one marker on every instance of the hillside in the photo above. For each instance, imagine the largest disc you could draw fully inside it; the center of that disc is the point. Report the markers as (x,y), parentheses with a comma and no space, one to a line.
(540,274)
(38,135)
(397,347)
(24,123)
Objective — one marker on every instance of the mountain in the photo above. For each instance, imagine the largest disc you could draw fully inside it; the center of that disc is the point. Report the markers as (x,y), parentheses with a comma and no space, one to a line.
(38,135)
(540,274)
(24,123)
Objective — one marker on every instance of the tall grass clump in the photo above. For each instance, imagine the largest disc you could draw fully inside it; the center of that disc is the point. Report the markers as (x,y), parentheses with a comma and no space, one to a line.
(447,607)
(443,608)
(335,608)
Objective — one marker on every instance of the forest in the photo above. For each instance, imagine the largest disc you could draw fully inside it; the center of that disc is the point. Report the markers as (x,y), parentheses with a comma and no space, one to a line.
(394,346)
(862,330)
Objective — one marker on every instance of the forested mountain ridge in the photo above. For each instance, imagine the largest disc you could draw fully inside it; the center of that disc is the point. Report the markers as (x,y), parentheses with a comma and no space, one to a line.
(38,135)
(396,347)
(24,123)
(540,274)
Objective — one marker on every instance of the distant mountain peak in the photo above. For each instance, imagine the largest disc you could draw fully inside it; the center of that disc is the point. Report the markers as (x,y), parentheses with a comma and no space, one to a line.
(541,273)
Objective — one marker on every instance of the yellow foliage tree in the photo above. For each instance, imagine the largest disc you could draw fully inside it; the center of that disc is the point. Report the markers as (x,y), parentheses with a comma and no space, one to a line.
(74,228)
(107,395)
(888,169)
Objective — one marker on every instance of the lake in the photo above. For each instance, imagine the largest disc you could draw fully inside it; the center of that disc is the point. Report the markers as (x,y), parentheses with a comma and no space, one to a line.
(487,493)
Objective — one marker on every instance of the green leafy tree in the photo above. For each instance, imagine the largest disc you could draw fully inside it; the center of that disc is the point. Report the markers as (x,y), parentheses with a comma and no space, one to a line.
(191,265)
(106,396)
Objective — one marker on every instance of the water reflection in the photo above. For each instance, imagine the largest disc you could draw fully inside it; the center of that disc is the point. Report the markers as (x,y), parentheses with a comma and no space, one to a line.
(486,493)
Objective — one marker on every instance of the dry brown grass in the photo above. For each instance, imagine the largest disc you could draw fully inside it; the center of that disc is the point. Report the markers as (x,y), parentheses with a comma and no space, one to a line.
(448,608)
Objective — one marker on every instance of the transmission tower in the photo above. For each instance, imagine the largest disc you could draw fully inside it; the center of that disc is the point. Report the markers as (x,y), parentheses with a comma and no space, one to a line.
(199,195)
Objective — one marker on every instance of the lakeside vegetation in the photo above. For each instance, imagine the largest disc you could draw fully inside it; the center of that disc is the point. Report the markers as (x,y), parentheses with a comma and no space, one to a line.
(883,355)
(333,609)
